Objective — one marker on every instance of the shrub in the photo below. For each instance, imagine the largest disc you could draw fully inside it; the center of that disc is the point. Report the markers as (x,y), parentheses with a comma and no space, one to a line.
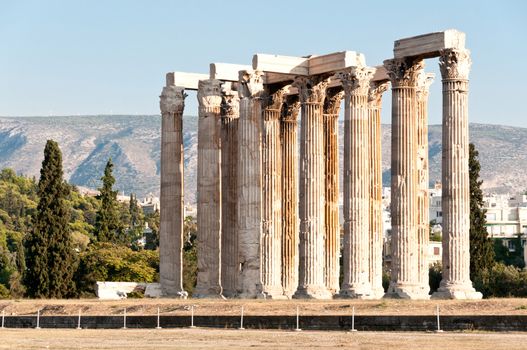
(435,276)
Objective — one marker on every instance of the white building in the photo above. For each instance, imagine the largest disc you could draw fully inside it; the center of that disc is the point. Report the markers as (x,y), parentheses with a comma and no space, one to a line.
(149,204)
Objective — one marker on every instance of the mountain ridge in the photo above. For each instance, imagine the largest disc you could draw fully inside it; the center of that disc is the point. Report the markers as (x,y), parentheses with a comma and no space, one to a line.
(133,142)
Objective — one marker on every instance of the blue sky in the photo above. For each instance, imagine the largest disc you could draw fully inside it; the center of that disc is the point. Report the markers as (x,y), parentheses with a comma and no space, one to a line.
(110,57)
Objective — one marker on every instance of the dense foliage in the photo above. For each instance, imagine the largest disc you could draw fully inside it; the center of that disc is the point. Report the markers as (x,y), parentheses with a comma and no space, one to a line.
(119,256)
(108,227)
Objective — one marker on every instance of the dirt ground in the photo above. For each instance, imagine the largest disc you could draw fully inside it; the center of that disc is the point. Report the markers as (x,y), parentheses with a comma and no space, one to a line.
(255,339)
(264,307)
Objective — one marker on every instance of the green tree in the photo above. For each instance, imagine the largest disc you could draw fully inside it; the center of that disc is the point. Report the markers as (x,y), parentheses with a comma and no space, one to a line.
(50,258)
(109,262)
(136,224)
(152,236)
(108,227)
(190,257)
(481,245)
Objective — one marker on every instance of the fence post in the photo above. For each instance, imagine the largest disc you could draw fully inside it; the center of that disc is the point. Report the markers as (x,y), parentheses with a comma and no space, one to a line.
(158,322)
(353,319)
(439,330)
(79,320)
(38,319)
(297,329)
(192,317)
(241,320)
(124,319)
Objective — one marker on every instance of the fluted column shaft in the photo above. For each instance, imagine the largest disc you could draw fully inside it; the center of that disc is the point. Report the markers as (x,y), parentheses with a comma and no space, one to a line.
(172,104)
(331,195)
(356,283)
(404,280)
(271,195)
(456,284)
(288,135)
(229,153)
(249,184)
(423,199)
(376,222)
(209,190)
(311,284)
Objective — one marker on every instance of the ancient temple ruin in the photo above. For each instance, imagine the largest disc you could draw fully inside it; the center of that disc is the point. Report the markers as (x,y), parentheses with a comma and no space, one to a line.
(268,175)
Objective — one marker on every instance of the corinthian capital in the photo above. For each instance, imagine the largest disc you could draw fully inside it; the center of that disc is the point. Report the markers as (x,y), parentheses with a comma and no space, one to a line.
(311,89)
(377,88)
(356,80)
(455,64)
(230,103)
(424,81)
(172,100)
(272,99)
(403,71)
(332,102)
(209,94)
(251,84)
(292,107)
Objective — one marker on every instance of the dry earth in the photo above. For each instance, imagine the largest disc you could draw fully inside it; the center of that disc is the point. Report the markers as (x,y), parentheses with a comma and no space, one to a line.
(255,339)
(264,307)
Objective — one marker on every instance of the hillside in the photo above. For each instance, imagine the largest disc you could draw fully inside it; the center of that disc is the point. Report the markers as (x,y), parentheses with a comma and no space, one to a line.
(133,142)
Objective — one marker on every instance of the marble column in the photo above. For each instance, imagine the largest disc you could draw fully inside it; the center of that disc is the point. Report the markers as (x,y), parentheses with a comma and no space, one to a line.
(423,216)
(209,190)
(249,184)
(404,282)
(312,91)
(271,241)
(331,187)
(456,284)
(356,182)
(289,137)
(230,112)
(172,104)
(375,162)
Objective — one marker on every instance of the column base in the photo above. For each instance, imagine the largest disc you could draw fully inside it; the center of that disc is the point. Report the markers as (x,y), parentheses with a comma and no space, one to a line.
(178,295)
(229,294)
(334,291)
(406,291)
(208,293)
(312,292)
(456,291)
(288,294)
(271,292)
(164,291)
(378,293)
(356,292)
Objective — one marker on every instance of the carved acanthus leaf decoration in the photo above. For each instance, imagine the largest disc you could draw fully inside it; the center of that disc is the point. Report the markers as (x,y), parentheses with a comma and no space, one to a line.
(311,89)
(455,64)
(273,100)
(403,71)
(251,84)
(291,108)
(333,99)
(172,100)
(424,80)
(209,93)
(376,90)
(356,80)
(230,104)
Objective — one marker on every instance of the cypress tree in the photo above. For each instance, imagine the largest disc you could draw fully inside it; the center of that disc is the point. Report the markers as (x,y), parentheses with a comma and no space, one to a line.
(481,246)
(108,226)
(50,258)
(136,221)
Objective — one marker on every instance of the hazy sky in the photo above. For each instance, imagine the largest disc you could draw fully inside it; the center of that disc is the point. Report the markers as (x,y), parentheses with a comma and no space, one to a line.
(110,57)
